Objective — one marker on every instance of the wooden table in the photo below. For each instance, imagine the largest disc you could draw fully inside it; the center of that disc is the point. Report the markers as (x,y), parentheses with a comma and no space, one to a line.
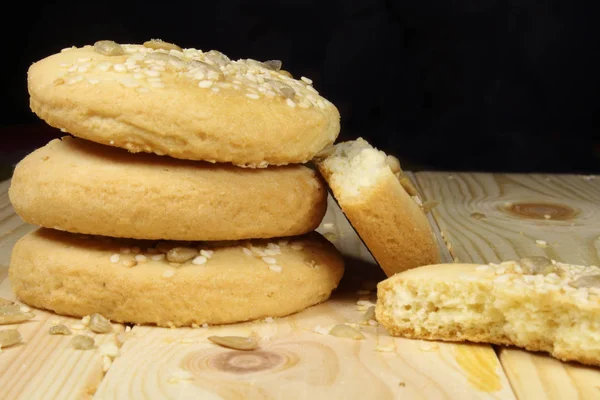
(481,218)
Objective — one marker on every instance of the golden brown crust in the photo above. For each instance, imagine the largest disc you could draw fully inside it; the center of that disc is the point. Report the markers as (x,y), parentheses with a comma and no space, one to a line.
(77,275)
(564,326)
(391,224)
(176,117)
(83,187)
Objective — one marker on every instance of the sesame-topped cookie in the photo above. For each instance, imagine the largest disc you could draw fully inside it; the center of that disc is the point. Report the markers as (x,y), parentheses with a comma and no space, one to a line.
(173,283)
(80,186)
(186,103)
(534,303)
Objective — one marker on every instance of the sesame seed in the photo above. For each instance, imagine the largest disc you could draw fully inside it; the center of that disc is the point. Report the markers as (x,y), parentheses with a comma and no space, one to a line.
(272,252)
(74,80)
(306,80)
(320,103)
(157,68)
(282,242)
(72,68)
(312,89)
(205,325)
(154,79)
(157,85)
(297,246)
(252,96)
(24,309)
(215,89)
(236,87)
(158,257)
(547,216)
(200,75)
(269,320)
(168,273)
(63,65)
(207,253)
(142,90)
(130,84)
(105,66)
(124,250)
(200,260)
(541,242)
(84,59)
(205,84)
(93,81)
(304,104)
(82,69)
(328,225)
(129,263)
(150,72)
(275,268)
(120,68)
(246,251)
(140,258)
(213,75)
(269,260)
(114,258)
(137,75)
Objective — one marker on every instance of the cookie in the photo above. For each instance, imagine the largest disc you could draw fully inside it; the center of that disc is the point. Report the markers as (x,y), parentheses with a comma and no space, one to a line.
(185,103)
(533,303)
(79,186)
(381,204)
(170,283)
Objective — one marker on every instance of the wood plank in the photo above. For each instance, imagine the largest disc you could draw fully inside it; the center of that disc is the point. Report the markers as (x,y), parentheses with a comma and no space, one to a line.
(493,217)
(296,362)
(44,366)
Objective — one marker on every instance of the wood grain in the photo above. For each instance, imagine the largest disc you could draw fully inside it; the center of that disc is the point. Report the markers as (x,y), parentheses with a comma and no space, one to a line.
(493,217)
(44,366)
(296,362)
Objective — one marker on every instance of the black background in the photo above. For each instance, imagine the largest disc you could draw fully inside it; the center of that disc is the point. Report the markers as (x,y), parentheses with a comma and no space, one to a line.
(451,85)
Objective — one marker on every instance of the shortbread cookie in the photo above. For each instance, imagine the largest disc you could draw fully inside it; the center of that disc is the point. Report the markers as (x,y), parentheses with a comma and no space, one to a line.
(381,204)
(173,284)
(185,103)
(533,303)
(83,187)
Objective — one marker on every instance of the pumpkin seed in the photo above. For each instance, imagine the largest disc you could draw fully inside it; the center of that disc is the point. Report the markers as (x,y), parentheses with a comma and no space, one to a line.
(275,65)
(235,342)
(345,331)
(108,48)
(5,302)
(12,314)
(9,337)
(59,330)
(157,44)
(82,342)
(536,265)
(586,281)
(393,163)
(99,324)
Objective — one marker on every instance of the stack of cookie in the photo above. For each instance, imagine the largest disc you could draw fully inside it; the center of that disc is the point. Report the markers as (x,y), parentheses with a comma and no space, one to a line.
(182,198)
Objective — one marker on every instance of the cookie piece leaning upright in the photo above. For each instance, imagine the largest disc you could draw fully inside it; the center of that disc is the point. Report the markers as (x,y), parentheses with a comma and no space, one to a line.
(173,283)
(185,103)
(381,204)
(83,187)
(533,303)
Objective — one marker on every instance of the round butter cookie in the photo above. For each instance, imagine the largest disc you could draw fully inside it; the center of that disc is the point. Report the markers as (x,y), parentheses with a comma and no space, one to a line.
(79,186)
(170,283)
(381,204)
(185,103)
